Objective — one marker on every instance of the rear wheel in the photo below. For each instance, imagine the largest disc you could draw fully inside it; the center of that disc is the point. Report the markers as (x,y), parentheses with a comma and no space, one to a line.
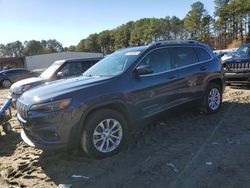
(212,99)
(104,134)
(6,83)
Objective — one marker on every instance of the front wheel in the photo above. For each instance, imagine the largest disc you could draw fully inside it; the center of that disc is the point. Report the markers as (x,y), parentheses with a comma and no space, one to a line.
(104,133)
(212,99)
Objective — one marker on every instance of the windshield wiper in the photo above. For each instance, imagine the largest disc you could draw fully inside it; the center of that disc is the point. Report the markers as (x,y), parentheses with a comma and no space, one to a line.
(88,75)
(91,75)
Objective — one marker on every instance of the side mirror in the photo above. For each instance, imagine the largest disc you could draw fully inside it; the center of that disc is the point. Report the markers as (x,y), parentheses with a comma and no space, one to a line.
(143,70)
(59,75)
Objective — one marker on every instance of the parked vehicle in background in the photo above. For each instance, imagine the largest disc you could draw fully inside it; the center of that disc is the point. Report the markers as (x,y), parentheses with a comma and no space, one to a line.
(237,68)
(58,70)
(94,111)
(225,54)
(10,76)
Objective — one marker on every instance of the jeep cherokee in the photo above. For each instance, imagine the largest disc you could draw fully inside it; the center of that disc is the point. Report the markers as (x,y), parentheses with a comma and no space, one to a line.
(237,68)
(94,111)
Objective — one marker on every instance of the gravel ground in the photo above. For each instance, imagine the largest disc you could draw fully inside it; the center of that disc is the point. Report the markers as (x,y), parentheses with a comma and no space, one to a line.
(179,148)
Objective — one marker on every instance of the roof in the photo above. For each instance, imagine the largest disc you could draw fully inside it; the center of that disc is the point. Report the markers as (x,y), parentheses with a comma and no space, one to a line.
(165,42)
(84,59)
(65,52)
(7,70)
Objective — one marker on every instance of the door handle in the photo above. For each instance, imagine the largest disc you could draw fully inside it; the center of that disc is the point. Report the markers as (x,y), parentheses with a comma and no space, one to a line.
(171,76)
(203,68)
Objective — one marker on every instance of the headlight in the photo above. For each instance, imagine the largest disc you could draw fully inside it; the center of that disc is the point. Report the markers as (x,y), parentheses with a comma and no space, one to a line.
(20,89)
(26,87)
(51,106)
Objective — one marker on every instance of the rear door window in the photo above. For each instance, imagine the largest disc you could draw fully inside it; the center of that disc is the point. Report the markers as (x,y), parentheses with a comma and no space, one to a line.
(183,56)
(203,55)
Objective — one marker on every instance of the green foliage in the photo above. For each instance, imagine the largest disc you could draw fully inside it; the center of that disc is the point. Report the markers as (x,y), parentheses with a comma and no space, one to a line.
(70,48)
(81,46)
(104,40)
(89,44)
(32,47)
(121,36)
(13,49)
(233,21)
(193,20)
(51,46)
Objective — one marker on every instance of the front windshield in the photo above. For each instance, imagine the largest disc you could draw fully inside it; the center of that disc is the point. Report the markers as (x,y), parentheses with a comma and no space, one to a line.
(243,51)
(51,70)
(115,63)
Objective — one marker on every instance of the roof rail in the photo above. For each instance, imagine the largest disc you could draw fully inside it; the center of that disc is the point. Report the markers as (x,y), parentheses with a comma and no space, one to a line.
(162,42)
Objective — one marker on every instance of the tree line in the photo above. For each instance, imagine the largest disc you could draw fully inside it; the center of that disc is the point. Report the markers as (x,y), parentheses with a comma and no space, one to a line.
(230,25)
(32,47)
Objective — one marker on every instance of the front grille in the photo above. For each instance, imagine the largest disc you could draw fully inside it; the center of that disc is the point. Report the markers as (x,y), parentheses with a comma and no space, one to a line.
(22,109)
(238,67)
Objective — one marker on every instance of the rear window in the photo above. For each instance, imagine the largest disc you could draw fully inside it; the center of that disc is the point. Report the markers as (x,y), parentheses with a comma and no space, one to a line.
(203,55)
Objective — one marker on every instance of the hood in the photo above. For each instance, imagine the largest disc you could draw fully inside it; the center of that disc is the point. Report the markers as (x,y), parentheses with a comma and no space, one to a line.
(51,90)
(237,60)
(29,81)
(34,81)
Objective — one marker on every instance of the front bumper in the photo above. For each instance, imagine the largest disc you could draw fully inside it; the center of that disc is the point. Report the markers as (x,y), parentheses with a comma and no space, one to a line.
(232,77)
(49,131)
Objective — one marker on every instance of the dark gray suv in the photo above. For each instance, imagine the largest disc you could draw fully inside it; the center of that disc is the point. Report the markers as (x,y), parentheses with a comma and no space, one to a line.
(94,111)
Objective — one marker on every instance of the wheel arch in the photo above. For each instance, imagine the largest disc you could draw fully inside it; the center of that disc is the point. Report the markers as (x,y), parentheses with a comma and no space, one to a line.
(115,105)
(217,81)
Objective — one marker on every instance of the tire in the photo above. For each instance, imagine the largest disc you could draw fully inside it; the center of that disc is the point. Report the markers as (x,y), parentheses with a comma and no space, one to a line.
(6,83)
(212,99)
(99,140)
(7,128)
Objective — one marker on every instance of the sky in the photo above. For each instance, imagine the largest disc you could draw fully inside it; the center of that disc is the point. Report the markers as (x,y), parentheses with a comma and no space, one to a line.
(69,21)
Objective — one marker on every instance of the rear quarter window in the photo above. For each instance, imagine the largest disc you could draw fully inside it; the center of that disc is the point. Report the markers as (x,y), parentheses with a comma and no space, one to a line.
(202,54)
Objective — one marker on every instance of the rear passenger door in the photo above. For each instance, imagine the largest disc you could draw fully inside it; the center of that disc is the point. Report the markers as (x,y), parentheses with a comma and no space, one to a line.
(190,70)
(205,67)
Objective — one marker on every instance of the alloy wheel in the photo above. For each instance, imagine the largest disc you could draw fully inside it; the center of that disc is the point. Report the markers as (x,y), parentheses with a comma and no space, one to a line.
(107,135)
(214,99)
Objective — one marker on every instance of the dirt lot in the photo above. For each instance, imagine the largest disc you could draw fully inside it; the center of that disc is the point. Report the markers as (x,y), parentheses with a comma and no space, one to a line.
(181,148)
